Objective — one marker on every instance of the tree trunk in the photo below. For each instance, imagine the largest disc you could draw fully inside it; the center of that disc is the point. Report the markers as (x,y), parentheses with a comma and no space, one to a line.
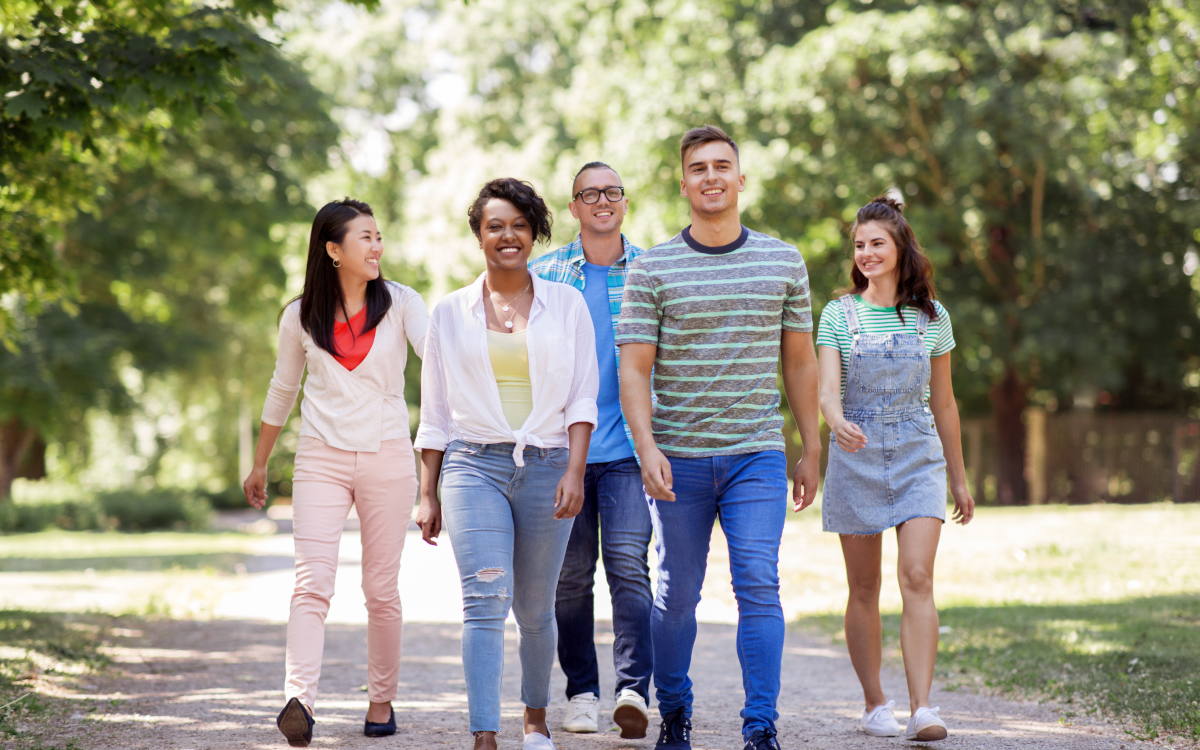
(1008,403)
(15,439)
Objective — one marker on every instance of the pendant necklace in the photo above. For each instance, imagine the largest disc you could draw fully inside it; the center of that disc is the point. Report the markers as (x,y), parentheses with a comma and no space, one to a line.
(506,305)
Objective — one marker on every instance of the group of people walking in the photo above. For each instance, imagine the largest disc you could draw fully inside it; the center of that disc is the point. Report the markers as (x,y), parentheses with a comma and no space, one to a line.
(598,399)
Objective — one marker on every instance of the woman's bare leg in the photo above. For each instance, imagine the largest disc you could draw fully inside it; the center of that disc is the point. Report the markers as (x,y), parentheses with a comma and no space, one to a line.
(864,632)
(918,541)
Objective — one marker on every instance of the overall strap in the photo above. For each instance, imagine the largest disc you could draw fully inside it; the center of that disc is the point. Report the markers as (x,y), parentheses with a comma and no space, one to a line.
(922,323)
(851,316)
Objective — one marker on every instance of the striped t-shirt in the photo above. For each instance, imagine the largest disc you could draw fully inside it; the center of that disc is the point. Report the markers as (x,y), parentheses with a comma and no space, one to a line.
(835,333)
(716,315)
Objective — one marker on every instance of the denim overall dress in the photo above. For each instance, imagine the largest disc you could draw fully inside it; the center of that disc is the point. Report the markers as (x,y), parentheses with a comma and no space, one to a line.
(901,472)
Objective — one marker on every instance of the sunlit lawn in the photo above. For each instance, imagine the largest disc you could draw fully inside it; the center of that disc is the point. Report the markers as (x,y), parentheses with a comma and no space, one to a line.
(1097,606)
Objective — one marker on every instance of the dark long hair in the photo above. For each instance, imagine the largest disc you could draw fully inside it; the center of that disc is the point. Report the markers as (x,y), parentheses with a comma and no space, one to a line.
(322,295)
(914,288)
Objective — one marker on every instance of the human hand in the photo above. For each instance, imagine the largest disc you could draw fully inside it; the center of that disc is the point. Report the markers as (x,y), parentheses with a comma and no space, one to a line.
(429,520)
(656,474)
(964,504)
(255,487)
(849,436)
(804,482)
(568,497)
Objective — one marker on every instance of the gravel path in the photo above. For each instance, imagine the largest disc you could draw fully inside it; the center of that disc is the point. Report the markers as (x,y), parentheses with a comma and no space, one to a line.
(183,684)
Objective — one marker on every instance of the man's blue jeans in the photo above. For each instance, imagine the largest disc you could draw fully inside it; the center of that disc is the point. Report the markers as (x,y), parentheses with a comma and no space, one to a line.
(748,494)
(614,507)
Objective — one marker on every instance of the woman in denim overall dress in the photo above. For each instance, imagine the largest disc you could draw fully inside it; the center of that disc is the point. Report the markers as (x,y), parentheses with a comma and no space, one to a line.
(892,444)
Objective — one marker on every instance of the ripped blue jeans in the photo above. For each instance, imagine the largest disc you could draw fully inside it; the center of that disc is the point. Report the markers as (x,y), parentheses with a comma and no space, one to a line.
(509,549)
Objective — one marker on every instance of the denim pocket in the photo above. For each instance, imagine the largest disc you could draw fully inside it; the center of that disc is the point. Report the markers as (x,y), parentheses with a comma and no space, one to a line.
(925,425)
(558,458)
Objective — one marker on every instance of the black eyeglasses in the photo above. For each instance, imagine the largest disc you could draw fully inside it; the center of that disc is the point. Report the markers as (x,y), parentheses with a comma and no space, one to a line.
(591,195)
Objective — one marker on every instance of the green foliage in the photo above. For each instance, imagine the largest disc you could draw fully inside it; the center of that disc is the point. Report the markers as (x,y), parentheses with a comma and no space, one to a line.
(74,515)
(156,509)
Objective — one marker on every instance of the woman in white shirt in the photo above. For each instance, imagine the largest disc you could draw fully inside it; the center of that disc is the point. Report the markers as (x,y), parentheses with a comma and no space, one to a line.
(508,405)
(349,328)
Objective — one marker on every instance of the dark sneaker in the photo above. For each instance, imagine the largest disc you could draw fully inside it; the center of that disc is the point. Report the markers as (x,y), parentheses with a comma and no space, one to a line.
(675,731)
(762,739)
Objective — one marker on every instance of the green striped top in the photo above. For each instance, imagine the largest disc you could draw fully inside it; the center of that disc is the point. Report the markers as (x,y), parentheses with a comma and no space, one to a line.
(716,317)
(835,333)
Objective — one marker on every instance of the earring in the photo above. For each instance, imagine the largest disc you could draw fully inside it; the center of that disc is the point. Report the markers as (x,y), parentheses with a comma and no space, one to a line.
(337,263)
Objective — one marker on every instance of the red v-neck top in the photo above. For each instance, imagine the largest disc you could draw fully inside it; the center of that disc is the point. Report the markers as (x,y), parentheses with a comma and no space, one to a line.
(352,348)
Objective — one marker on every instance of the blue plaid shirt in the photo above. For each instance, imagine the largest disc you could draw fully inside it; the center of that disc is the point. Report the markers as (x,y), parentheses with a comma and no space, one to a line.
(565,265)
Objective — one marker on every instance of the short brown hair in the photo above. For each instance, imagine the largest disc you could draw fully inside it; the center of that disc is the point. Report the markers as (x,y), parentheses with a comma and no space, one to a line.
(702,135)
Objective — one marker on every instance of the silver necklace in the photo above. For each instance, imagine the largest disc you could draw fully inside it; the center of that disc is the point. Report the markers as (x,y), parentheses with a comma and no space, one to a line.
(506,305)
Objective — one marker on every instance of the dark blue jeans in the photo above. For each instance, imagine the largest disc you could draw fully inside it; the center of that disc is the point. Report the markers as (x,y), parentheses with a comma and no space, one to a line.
(748,494)
(615,509)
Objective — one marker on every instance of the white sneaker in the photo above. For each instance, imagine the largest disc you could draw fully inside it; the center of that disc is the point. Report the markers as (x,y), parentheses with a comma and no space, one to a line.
(925,725)
(582,714)
(880,722)
(538,741)
(631,715)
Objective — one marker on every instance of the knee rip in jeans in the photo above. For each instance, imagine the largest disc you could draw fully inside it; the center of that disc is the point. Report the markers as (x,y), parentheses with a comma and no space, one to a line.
(490,576)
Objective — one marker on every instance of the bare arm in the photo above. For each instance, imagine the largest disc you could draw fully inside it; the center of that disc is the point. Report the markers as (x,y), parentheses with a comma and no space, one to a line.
(637,362)
(568,498)
(945,416)
(800,377)
(255,485)
(848,435)
(429,514)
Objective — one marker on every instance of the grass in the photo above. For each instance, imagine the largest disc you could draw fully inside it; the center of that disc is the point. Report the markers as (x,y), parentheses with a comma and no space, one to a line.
(36,649)
(1095,607)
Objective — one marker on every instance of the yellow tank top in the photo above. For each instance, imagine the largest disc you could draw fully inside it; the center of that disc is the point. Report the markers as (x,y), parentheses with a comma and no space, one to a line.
(510,363)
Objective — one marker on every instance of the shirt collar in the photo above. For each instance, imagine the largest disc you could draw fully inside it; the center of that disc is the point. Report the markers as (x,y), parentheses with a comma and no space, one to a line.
(576,257)
(539,293)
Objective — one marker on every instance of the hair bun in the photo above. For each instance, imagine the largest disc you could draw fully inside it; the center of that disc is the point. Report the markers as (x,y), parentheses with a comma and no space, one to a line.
(891,203)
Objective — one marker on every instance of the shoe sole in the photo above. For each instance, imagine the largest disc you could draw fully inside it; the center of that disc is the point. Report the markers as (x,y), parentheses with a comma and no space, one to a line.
(294,726)
(869,733)
(633,723)
(930,734)
(581,731)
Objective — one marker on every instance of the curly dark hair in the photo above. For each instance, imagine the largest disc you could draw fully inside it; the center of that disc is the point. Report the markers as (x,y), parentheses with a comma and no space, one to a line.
(522,196)
(915,286)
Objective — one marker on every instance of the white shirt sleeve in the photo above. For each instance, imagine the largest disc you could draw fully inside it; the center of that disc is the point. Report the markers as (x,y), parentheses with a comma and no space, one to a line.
(434,431)
(416,321)
(289,370)
(585,385)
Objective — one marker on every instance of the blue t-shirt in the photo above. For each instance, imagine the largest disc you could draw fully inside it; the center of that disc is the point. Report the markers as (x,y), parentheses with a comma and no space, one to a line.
(609,442)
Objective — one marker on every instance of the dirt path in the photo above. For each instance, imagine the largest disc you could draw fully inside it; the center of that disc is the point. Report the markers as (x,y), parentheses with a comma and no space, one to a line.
(217,684)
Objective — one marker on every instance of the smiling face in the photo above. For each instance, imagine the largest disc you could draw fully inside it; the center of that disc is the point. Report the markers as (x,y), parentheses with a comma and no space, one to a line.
(359,251)
(712,178)
(875,251)
(604,217)
(505,235)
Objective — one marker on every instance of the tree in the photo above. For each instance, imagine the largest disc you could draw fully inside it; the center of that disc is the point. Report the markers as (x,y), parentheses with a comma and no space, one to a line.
(179,273)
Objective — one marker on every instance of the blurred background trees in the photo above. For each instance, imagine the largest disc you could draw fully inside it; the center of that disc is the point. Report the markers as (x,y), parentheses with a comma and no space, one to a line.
(1047,151)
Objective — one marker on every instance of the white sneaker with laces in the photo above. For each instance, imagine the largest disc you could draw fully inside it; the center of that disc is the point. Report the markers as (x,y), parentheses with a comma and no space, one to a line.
(881,722)
(583,714)
(925,725)
(538,741)
(631,714)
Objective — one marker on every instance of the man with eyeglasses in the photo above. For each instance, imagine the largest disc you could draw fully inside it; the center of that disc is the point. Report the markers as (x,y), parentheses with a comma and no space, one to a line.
(614,507)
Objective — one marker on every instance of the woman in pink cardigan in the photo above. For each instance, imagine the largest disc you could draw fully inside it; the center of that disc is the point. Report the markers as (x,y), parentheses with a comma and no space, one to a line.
(349,328)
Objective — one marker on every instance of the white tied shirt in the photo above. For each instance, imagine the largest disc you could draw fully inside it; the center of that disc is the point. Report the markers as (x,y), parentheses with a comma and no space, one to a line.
(459,396)
(351,410)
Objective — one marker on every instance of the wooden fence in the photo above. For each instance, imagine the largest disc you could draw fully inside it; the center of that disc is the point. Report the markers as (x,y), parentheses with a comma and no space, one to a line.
(1086,457)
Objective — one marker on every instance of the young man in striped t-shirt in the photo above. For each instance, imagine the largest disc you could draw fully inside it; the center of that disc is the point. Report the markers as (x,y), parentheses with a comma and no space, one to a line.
(712,313)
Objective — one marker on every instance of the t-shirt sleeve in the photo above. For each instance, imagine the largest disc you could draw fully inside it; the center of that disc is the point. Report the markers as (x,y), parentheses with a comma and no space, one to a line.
(945,333)
(641,311)
(832,326)
(797,308)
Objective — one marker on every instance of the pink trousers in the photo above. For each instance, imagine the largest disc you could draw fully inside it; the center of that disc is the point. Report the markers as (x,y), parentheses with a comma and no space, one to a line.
(382,487)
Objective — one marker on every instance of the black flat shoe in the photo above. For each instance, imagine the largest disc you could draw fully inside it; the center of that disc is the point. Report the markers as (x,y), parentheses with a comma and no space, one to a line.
(381,729)
(295,723)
